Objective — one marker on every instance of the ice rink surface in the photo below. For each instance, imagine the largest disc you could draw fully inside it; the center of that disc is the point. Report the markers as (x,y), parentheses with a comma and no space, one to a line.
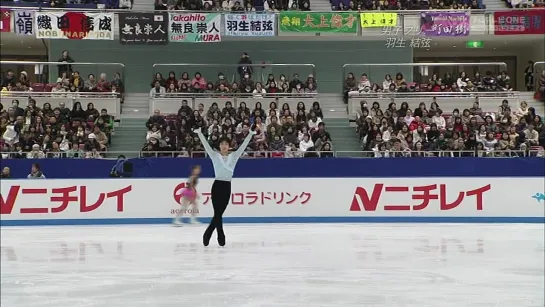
(275,265)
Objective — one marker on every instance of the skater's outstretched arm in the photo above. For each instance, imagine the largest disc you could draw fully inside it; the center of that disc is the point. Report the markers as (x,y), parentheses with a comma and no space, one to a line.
(244,144)
(211,152)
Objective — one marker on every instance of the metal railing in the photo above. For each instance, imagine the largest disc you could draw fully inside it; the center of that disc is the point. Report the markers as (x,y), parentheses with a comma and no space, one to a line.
(412,65)
(297,154)
(100,100)
(42,73)
(262,70)
(171,102)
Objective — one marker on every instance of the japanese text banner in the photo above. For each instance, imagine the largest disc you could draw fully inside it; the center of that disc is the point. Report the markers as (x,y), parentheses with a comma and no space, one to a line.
(194,28)
(74,25)
(444,24)
(519,22)
(373,20)
(318,22)
(24,22)
(249,24)
(143,28)
(265,198)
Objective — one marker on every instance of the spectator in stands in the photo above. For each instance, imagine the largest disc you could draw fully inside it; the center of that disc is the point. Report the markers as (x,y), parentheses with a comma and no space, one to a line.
(158,90)
(349,86)
(244,66)
(66,67)
(541,88)
(9,79)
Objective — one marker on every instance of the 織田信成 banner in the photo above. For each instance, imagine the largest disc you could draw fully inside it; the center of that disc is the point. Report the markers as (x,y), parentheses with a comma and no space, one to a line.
(74,25)
(519,22)
(194,27)
(444,24)
(249,24)
(318,22)
(24,22)
(373,20)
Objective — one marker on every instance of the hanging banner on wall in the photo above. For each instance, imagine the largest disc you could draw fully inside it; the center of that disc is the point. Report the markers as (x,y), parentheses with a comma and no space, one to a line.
(143,28)
(74,25)
(23,22)
(194,28)
(444,24)
(374,20)
(318,22)
(530,21)
(249,24)
(5,20)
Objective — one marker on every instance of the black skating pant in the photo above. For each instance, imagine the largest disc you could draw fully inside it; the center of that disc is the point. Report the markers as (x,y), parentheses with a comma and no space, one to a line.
(220,194)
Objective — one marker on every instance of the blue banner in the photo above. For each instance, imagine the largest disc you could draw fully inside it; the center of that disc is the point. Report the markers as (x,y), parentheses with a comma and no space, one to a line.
(249,24)
(298,168)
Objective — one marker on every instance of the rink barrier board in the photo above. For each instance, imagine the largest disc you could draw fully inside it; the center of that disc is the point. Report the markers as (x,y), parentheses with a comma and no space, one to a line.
(285,220)
(277,200)
(291,168)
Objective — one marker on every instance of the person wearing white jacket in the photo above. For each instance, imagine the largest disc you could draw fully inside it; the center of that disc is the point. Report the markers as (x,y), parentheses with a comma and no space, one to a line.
(439,120)
(306,143)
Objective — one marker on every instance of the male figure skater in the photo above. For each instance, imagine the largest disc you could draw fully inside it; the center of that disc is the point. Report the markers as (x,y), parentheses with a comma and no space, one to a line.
(224,165)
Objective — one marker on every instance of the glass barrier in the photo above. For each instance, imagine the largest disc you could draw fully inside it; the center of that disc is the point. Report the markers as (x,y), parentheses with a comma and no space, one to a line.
(113,155)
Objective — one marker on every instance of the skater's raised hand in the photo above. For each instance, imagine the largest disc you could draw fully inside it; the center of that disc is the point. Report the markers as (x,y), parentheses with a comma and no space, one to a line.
(253,127)
(197,130)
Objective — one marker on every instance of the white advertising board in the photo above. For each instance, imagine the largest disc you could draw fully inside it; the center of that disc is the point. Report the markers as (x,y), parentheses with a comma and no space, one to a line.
(120,201)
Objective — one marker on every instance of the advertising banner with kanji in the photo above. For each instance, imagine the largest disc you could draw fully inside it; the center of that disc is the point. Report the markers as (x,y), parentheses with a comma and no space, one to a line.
(74,25)
(268,199)
(23,22)
(444,24)
(5,20)
(194,28)
(517,22)
(374,20)
(143,28)
(249,24)
(318,22)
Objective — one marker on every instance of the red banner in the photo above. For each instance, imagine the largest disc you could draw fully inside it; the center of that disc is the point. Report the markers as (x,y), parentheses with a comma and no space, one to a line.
(5,21)
(530,21)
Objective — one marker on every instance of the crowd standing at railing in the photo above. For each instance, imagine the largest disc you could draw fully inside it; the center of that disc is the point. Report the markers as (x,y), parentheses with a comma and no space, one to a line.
(524,3)
(233,5)
(76,4)
(427,130)
(392,5)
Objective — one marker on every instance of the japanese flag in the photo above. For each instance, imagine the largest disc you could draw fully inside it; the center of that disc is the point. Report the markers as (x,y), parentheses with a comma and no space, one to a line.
(158,18)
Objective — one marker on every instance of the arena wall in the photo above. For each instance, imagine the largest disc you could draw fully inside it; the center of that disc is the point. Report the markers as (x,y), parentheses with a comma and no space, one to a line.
(287,191)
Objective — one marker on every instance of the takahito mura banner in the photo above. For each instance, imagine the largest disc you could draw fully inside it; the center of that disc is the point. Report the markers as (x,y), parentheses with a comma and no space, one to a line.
(266,199)
(74,25)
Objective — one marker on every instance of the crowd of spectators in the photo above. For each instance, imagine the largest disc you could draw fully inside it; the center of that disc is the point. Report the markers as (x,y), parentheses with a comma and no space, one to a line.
(391,5)
(47,132)
(447,83)
(525,3)
(281,132)
(233,5)
(393,131)
(221,85)
(68,81)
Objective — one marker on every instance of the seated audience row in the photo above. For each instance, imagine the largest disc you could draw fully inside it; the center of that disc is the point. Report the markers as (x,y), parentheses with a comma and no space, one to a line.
(198,84)
(403,131)
(233,5)
(44,132)
(280,132)
(392,5)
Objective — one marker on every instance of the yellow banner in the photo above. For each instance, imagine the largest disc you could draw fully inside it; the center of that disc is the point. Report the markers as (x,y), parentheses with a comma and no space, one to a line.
(372,20)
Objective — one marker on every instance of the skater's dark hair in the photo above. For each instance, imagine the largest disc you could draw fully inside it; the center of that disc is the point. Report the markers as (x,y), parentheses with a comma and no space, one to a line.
(224,139)
(195,167)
